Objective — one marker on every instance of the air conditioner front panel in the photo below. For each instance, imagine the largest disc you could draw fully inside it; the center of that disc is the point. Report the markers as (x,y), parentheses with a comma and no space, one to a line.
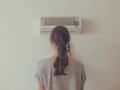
(72,23)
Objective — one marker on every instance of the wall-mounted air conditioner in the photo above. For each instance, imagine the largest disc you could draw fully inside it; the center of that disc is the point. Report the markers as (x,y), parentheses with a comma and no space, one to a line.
(73,24)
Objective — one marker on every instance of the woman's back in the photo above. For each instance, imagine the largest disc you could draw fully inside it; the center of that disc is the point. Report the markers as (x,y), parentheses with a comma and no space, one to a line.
(74,79)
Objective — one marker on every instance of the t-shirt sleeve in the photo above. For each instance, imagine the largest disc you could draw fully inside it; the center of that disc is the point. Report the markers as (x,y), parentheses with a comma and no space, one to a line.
(83,76)
(39,73)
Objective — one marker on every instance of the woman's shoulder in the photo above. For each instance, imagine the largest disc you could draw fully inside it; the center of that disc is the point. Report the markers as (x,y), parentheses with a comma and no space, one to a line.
(77,62)
(43,61)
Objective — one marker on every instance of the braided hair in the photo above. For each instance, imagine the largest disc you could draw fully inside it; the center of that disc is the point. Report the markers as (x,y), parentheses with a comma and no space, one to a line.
(61,37)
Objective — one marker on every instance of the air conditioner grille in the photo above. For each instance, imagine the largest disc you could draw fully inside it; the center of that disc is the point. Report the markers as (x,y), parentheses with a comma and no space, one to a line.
(46,21)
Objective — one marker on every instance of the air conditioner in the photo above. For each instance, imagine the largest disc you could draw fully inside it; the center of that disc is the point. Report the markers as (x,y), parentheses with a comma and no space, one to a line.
(73,24)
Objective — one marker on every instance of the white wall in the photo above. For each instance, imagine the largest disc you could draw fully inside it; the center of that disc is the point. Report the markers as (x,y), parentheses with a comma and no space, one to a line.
(21,46)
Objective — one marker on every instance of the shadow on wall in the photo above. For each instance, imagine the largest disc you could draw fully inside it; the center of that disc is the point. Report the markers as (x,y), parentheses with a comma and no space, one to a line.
(88,26)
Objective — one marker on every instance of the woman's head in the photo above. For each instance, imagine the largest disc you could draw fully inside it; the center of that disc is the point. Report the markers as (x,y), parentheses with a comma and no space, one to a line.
(61,38)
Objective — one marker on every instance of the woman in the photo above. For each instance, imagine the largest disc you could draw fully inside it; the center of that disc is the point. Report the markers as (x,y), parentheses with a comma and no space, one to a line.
(61,71)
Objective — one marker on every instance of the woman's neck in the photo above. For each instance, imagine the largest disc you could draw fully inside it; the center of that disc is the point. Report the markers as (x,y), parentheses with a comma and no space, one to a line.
(55,56)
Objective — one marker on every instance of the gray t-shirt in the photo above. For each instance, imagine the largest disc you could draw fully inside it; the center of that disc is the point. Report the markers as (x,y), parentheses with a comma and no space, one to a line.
(74,79)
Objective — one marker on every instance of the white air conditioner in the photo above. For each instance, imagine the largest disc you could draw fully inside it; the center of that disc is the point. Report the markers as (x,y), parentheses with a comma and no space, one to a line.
(73,24)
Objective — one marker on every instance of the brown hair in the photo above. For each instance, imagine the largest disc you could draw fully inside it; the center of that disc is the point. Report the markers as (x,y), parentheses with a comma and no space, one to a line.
(61,37)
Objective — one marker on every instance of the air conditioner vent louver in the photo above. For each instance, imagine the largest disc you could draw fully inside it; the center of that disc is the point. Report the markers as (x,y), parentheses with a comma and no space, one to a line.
(72,23)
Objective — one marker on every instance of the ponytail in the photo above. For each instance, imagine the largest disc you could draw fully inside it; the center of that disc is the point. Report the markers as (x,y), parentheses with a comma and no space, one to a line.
(61,37)
(62,59)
